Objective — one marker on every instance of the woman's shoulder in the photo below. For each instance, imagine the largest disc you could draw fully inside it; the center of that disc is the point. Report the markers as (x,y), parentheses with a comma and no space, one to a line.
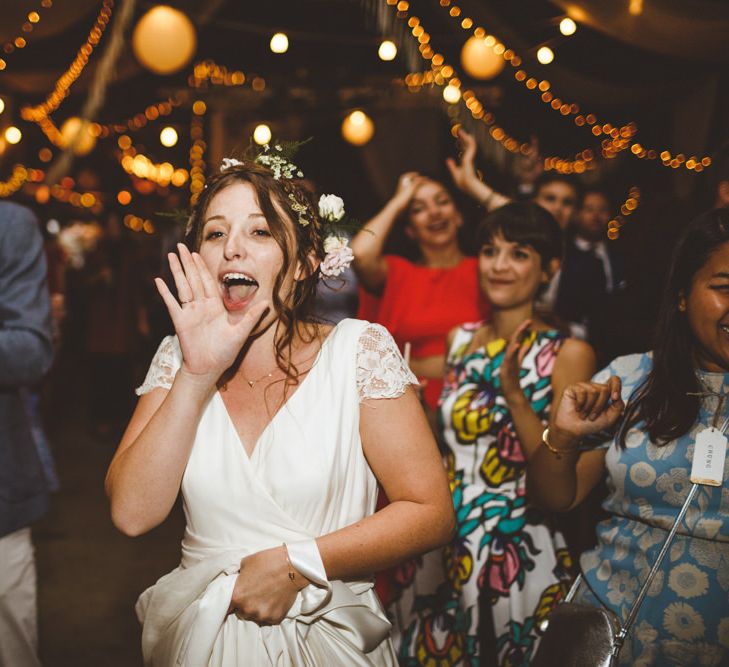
(165,364)
(630,368)
(399,263)
(462,334)
(381,370)
(570,348)
(359,334)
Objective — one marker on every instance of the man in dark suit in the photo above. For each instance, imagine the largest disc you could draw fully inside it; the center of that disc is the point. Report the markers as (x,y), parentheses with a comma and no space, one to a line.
(592,269)
(26,353)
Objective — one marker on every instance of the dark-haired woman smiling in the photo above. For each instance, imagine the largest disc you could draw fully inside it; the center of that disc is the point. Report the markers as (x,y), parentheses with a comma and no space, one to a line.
(672,394)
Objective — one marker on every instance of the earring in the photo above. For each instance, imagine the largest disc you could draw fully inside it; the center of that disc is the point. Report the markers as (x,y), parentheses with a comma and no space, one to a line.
(682,307)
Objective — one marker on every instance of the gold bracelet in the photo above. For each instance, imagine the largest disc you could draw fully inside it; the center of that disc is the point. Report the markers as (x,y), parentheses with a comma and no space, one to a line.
(557,452)
(292,573)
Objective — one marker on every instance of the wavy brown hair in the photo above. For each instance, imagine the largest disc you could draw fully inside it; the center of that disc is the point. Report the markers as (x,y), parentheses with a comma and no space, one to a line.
(298,243)
(667,403)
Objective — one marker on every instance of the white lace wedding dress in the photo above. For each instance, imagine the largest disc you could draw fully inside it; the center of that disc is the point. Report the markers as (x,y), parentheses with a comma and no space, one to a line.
(307,476)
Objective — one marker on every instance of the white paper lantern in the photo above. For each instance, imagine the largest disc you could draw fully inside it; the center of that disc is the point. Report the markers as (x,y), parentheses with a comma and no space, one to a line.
(86,141)
(164,40)
(480,60)
(358,128)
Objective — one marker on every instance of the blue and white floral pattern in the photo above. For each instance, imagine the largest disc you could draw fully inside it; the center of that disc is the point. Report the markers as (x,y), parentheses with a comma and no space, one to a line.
(684,620)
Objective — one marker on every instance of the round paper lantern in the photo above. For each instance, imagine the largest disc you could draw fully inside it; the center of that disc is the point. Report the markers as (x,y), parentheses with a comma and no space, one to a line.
(479,59)
(164,40)
(358,128)
(86,141)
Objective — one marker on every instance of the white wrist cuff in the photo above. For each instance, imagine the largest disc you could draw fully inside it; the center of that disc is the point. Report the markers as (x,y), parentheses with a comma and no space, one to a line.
(305,558)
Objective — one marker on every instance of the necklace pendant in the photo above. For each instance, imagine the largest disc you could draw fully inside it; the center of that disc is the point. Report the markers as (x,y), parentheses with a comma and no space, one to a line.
(251,383)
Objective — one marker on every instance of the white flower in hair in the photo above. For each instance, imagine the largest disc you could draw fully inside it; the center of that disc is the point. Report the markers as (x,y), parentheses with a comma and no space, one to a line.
(229,162)
(338,255)
(333,244)
(331,208)
(280,165)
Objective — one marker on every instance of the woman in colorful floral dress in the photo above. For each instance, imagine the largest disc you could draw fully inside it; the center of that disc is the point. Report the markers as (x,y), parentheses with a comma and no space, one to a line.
(672,394)
(480,601)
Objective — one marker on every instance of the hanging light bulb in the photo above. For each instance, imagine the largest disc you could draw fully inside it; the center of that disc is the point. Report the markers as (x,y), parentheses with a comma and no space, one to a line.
(168,137)
(567,26)
(451,94)
(75,127)
(262,134)
(545,55)
(387,50)
(279,43)
(2,105)
(13,135)
(358,128)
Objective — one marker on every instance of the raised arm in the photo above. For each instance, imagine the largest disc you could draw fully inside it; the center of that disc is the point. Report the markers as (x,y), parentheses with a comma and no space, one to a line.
(575,362)
(145,474)
(26,350)
(369,242)
(559,477)
(466,178)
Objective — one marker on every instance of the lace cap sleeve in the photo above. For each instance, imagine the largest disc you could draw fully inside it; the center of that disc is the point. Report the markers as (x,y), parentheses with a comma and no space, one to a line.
(381,370)
(164,366)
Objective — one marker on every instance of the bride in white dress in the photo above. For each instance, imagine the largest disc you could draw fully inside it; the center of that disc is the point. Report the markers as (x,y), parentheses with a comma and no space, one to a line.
(276,431)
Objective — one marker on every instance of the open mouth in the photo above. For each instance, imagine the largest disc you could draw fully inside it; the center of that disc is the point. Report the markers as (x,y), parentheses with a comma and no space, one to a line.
(238,290)
(438,226)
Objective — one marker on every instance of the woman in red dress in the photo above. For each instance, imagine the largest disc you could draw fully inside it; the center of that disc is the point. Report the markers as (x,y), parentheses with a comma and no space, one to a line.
(419,302)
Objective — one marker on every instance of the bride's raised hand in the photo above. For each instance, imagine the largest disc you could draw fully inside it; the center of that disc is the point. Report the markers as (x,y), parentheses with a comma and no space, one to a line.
(210,339)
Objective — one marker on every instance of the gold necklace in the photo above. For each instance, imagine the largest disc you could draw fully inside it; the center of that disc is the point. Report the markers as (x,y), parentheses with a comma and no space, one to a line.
(251,383)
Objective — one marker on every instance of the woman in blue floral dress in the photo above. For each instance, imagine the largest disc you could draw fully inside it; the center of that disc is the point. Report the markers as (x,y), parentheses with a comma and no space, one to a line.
(671,394)
(480,601)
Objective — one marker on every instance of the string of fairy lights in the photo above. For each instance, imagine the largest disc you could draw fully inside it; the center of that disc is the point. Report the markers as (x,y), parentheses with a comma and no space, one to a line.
(209,72)
(617,139)
(614,139)
(443,74)
(20,42)
(197,154)
(67,79)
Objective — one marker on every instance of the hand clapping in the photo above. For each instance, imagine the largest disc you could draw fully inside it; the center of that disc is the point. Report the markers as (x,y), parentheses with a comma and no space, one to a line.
(511,363)
(588,407)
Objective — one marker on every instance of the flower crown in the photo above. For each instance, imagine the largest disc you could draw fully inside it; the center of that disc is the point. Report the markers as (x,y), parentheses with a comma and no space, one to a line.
(279,160)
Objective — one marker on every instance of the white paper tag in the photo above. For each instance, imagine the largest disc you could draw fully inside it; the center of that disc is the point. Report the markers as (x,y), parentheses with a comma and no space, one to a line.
(709,454)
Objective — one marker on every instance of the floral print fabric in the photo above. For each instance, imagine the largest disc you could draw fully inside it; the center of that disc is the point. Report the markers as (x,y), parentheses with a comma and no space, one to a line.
(684,620)
(505,558)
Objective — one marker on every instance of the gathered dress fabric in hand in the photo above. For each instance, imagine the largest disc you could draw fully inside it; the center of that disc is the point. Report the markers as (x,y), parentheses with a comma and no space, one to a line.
(307,476)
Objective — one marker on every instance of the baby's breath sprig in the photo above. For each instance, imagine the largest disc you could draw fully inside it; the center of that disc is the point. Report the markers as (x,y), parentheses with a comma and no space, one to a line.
(279,158)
